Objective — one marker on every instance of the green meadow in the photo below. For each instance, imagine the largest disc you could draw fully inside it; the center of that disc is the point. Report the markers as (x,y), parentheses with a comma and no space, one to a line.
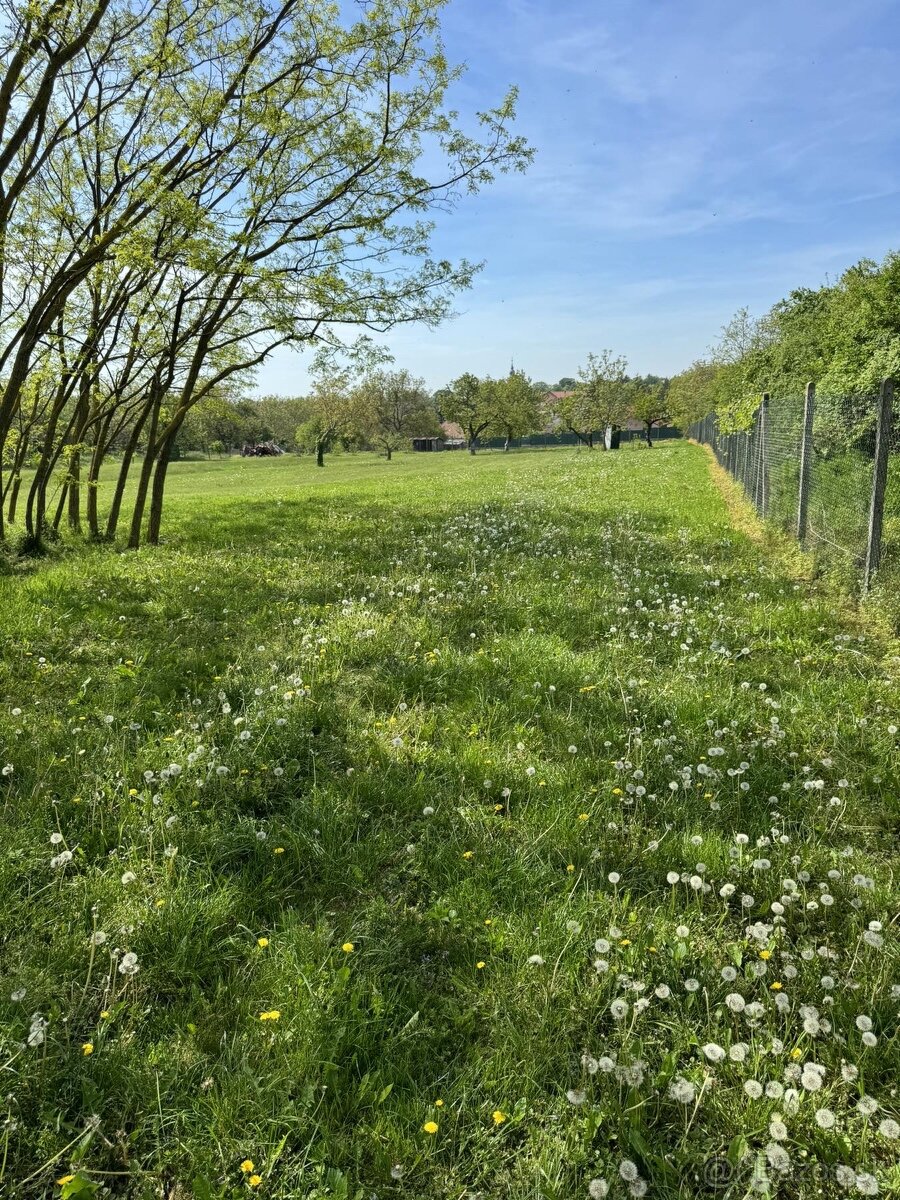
(519,826)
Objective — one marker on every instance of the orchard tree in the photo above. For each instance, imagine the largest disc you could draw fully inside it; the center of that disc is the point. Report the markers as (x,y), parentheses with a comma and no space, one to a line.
(395,407)
(471,403)
(516,407)
(599,400)
(335,413)
(650,403)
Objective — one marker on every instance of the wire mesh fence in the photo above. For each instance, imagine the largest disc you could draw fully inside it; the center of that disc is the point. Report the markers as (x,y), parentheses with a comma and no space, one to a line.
(827,470)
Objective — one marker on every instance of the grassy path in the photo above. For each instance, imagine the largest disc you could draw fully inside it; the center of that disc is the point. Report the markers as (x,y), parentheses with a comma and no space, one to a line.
(508,827)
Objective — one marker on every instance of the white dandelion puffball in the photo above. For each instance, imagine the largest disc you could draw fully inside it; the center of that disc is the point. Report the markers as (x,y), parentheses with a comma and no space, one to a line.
(714,1053)
(683,1091)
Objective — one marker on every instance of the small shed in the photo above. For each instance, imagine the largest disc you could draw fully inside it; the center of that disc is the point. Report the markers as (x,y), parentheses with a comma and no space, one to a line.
(428,443)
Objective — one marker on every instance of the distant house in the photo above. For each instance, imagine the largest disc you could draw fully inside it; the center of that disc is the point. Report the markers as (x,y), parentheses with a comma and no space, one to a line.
(454,435)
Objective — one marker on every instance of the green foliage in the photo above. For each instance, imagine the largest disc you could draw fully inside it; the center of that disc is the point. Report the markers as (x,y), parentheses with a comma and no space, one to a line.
(844,337)
(395,407)
(649,401)
(600,399)
(515,406)
(692,394)
(470,402)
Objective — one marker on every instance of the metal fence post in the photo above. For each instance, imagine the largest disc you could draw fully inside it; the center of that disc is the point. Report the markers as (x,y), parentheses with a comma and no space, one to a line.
(879,480)
(762,423)
(809,407)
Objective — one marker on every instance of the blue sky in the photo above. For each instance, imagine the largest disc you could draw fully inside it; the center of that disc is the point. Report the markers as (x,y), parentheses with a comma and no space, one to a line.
(692,157)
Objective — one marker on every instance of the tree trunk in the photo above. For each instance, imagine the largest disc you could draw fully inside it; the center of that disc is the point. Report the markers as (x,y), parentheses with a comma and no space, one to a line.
(320,453)
(14,499)
(60,509)
(140,500)
(84,393)
(649,431)
(75,491)
(112,519)
(159,486)
(93,478)
(388,453)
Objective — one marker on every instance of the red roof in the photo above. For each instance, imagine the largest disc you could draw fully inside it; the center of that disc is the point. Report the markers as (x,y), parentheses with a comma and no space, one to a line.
(453,432)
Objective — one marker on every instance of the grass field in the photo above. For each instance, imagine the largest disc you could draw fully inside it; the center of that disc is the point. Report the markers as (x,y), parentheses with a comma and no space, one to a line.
(516,826)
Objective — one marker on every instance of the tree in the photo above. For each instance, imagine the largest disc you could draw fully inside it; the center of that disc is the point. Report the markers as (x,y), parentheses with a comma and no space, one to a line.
(600,399)
(515,407)
(650,403)
(395,407)
(471,403)
(335,412)
(283,415)
(692,394)
(184,188)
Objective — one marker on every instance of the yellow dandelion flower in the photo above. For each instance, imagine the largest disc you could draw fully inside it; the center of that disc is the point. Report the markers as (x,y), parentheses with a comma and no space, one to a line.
(584,816)
(571,868)
(132,791)
(468,853)
(430,1127)
(651,950)
(498,1116)
(617,791)
(262,942)
(489,921)
(272,1015)
(278,850)
(255,1180)
(796,1053)
(625,942)
(498,808)
(247,1166)
(765,955)
(776,986)
(348,947)
(64,1179)
(438,1104)
(87,1048)
(104,1013)
(479,966)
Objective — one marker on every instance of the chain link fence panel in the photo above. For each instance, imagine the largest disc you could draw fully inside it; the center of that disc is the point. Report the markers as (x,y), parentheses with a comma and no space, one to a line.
(826,470)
